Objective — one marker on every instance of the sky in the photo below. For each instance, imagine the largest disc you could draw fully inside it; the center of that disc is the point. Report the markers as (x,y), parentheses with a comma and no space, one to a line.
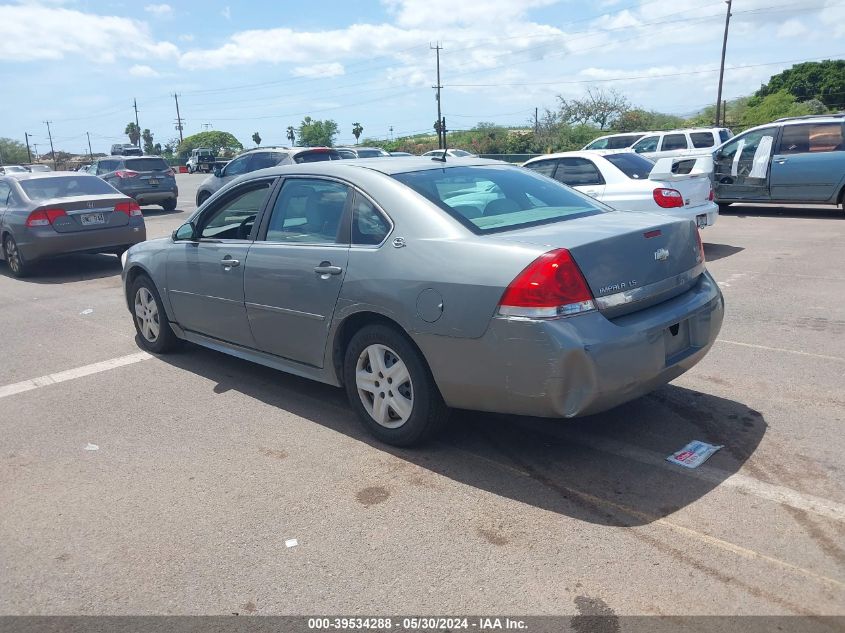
(260,66)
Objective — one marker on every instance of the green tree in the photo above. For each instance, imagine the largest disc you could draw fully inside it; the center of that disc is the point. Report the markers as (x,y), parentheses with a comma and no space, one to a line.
(215,140)
(639,120)
(149,146)
(291,135)
(598,107)
(256,138)
(823,80)
(12,151)
(314,132)
(771,107)
(357,129)
(133,132)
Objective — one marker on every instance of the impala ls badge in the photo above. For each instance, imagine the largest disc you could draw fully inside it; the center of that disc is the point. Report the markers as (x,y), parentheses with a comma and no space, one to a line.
(661,254)
(90,205)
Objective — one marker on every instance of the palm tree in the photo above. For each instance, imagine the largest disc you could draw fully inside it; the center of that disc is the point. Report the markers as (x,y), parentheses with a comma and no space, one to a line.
(291,135)
(134,133)
(256,138)
(357,128)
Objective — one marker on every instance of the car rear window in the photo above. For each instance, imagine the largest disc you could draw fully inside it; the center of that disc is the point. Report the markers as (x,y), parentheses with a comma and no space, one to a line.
(65,187)
(631,164)
(369,153)
(316,156)
(147,164)
(499,198)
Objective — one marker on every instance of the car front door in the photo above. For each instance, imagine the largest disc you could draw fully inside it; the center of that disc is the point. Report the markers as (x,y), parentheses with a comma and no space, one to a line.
(809,164)
(582,174)
(296,268)
(741,167)
(205,275)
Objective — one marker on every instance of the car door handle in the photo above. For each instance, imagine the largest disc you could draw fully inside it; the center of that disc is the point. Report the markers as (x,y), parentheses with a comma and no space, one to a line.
(230,263)
(327,269)
(780,161)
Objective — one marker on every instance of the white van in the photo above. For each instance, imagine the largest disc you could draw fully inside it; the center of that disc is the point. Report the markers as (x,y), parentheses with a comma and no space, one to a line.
(691,142)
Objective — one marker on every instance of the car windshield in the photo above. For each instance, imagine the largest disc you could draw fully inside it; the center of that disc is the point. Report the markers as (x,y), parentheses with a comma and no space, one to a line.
(615,142)
(316,156)
(14,169)
(147,164)
(460,153)
(65,187)
(632,165)
(499,198)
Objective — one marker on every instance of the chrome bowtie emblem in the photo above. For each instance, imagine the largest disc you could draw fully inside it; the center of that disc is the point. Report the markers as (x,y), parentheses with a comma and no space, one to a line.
(661,254)
(398,242)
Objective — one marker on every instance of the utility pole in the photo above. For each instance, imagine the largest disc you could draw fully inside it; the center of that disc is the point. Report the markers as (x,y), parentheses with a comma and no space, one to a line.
(391,132)
(722,67)
(35,147)
(440,136)
(536,122)
(90,151)
(178,117)
(138,125)
(52,150)
(28,153)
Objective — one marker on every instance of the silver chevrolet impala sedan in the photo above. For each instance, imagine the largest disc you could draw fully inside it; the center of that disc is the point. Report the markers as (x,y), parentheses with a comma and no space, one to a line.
(421,285)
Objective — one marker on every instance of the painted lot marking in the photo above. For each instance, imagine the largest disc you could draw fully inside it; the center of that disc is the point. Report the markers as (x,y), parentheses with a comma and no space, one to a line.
(70,374)
(781,349)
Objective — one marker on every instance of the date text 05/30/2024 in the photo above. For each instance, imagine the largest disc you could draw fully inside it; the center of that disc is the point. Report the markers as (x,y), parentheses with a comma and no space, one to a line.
(417,623)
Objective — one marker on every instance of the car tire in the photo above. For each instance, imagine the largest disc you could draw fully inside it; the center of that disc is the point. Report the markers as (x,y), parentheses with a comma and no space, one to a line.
(169,204)
(390,387)
(14,259)
(202,196)
(120,250)
(724,206)
(154,331)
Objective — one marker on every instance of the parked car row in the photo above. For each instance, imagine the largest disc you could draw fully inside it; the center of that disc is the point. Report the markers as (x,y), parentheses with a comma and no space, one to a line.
(23,169)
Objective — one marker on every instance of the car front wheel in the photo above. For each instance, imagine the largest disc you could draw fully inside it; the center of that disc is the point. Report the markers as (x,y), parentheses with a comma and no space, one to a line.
(391,388)
(154,331)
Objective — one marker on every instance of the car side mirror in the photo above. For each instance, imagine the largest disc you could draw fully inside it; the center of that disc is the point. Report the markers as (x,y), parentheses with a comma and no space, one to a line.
(184,232)
(218,171)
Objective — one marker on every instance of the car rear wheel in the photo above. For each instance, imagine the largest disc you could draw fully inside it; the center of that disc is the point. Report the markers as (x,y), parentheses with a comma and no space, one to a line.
(169,204)
(150,319)
(17,266)
(391,388)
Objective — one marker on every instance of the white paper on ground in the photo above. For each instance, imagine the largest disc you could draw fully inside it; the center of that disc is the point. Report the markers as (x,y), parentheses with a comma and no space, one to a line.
(91,447)
(87,311)
(693,454)
(291,542)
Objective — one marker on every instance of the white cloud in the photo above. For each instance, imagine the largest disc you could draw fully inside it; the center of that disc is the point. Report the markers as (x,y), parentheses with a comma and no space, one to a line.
(31,32)
(333,69)
(226,12)
(792,28)
(438,13)
(141,70)
(186,37)
(160,10)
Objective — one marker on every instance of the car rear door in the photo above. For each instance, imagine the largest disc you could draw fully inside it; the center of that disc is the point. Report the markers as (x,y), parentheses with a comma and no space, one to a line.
(296,268)
(582,174)
(809,163)
(205,275)
(741,167)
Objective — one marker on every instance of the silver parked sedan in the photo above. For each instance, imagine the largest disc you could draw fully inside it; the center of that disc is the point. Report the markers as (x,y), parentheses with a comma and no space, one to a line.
(45,214)
(421,285)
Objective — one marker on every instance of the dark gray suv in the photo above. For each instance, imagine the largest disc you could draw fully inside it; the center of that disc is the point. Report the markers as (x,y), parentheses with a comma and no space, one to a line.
(147,179)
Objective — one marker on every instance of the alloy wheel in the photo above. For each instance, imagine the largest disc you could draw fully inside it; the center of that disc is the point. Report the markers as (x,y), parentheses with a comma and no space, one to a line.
(146,313)
(13,257)
(384,386)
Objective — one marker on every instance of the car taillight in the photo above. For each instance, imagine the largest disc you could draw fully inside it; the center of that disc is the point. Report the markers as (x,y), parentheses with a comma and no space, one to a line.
(126,173)
(44,217)
(550,286)
(170,172)
(130,208)
(712,195)
(668,198)
(700,246)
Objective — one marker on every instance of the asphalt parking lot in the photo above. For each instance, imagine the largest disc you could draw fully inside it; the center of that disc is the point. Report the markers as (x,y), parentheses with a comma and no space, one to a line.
(206,465)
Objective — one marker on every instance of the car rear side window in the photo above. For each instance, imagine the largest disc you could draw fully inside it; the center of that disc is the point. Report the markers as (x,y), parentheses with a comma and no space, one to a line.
(369,153)
(498,198)
(65,187)
(369,226)
(146,164)
(632,165)
(702,139)
(674,141)
(545,167)
(577,172)
(308,211)
(263,160)
(316,156)
(647,144)
(811,137)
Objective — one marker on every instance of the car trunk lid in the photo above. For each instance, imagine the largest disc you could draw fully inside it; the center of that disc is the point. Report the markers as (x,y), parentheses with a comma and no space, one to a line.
(90,213)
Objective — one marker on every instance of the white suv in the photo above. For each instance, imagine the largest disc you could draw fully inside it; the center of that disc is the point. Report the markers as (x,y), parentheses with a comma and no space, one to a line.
(691,142)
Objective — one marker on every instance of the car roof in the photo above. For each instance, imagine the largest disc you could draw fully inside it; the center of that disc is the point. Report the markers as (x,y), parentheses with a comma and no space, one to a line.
(34,175)
(119,156)
(583,153)
(387,165)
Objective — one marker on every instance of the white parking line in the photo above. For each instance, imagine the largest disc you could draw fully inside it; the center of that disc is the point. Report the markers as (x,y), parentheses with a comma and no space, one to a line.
(781,349)
(70,374)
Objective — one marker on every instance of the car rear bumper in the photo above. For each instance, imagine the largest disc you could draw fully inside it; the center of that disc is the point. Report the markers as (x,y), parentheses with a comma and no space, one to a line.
(709,210)
(578,365)
(45,242)
(152,195)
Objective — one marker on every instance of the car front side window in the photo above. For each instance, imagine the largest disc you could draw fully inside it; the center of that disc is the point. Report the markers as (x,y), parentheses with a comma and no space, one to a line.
(647,144)
(234,216)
